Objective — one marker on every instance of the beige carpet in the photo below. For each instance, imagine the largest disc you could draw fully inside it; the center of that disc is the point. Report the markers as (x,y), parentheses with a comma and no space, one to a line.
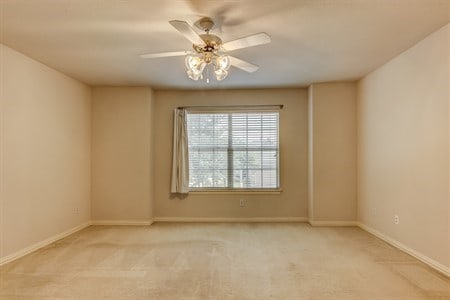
(220,261)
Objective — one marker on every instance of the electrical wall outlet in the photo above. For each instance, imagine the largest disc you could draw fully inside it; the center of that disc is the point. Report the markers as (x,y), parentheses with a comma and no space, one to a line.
(396,219)
(241,202)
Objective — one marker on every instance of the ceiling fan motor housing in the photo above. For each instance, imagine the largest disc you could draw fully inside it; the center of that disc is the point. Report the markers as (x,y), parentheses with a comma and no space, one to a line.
(206,24)
(211,47)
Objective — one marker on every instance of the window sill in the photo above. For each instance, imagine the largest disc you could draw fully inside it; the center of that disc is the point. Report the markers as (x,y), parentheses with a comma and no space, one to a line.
(236,192)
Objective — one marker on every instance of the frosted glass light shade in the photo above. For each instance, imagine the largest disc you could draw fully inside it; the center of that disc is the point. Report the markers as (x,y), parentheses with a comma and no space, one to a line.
(195,66)
(193,62)
(194,75)
(220,74)
(222,62)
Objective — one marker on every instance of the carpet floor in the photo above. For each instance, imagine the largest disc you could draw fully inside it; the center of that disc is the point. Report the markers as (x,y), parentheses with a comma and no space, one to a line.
(220,261)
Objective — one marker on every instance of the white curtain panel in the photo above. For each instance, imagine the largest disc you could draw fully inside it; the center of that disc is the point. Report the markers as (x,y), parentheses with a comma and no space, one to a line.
(180,160)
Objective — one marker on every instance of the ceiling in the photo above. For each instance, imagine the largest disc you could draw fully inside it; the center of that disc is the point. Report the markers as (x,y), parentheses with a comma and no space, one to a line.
(99,41)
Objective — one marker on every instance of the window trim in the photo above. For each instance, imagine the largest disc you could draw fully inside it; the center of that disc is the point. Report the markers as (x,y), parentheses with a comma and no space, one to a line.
(209,191)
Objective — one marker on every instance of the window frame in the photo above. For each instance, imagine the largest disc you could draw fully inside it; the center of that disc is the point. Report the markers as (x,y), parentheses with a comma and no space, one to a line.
(234,190)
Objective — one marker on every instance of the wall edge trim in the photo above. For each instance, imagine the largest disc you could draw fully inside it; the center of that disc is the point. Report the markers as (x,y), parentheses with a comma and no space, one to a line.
(333,223)
(36,246)
(122,222)
(414,253)
(231,220)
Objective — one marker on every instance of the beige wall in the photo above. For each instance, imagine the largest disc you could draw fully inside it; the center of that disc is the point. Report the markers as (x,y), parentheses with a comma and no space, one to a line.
(332,131)
(45,152)
(403,148)
(121,154)
(292,202)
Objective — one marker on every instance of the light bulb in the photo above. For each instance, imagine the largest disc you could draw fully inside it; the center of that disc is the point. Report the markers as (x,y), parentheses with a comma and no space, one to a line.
(195,66)
(193,62)
(222,62)
(220,74)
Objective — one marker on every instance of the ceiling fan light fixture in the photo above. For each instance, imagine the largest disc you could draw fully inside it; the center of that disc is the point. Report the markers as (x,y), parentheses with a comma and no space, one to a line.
(195,66)
(209,49)
(193,62)
(220,74)
(194,74)
(222,62)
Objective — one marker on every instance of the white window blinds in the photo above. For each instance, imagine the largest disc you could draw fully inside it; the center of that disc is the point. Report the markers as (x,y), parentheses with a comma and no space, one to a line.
(233,150)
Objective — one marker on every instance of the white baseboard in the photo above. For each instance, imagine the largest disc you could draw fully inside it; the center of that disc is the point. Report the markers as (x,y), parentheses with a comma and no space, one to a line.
(123,222)
(232,220)
(41,244)
(423,258)
(333,223)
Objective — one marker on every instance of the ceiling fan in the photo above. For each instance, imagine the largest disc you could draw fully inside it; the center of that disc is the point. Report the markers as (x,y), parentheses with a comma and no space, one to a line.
(209,49)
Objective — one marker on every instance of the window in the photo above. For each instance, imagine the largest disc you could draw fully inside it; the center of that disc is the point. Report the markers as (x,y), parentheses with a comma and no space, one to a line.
(233,150)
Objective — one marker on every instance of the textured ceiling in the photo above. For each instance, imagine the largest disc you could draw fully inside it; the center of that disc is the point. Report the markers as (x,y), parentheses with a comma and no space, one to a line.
(99,41)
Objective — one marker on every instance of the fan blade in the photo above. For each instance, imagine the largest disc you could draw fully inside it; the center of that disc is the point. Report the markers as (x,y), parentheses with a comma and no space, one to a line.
(185,29)
(164,54)
(248,41)
(243,65)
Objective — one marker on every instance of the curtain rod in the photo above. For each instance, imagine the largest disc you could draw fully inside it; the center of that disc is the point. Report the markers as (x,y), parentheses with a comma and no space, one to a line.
(233,106)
